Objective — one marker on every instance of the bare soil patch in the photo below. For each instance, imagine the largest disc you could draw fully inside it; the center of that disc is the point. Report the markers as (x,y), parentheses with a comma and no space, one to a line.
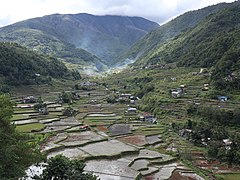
(138,140)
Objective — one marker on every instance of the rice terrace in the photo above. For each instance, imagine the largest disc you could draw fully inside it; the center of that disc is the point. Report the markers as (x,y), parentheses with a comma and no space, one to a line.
(120,90)
(116,139)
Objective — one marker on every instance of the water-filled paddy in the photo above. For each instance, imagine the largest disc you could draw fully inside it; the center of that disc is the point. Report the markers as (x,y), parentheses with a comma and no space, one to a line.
(111,169)
(101,115)
(108,148)
(81,138)
(119,129)
(71,153)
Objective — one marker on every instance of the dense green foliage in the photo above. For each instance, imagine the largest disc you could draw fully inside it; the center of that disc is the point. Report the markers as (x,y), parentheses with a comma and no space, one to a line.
(214,40)
(15,153)
(216,115)
(21,66)
(213,129)
(62,168)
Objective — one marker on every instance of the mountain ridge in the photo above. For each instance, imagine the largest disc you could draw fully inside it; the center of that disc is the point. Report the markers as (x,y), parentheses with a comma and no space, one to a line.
(105,37)
(143,49)
(213,44)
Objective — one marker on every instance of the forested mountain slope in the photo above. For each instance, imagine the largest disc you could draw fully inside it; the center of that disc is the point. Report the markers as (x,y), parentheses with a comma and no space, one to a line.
(19,65)
(213,43)
(142,51)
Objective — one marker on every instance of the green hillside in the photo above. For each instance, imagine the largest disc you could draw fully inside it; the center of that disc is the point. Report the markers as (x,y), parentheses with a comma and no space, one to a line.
(20,66)
(214,42)
(144,48)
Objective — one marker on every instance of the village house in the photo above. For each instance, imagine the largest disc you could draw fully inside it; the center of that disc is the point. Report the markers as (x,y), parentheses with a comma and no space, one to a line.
(203,71)
(173,78)
(132,101)
(154,66)
(205,140)
(183,88)
(170,66)
(75,96)
(205,87)
(129,98)
(84,128)
(141,118)
(176,93)
(37,74)
(125,95)
(132,110)
(43,111)
(25,106)
(222,98)
(147,117)
(150,118)
(186,133)
(29,99)
(93,101)
(132,98)
(88,84)
(194,73)
(227,143)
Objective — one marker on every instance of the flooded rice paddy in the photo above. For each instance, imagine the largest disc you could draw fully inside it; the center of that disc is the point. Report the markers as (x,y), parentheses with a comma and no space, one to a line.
(115,145)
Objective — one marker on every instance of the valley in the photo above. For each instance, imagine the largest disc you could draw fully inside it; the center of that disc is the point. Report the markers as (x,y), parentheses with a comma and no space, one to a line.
(121,97)
(106,133)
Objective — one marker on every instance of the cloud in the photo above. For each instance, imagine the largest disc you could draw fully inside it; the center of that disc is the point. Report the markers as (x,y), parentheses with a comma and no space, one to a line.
(5,20)
(156,10)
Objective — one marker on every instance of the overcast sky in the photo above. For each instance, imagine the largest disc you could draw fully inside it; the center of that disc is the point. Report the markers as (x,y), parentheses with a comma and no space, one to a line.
(156,10)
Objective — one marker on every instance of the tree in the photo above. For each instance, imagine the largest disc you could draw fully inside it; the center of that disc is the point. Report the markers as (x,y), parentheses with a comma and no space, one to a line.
(76,75)
(213,148)
(189,124)
(65,97)
(15,153)
(69,111)
(62,168)
(236,115)
(39,106)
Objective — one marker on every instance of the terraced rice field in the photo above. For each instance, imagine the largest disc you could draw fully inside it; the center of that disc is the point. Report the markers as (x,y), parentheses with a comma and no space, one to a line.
(119,129)
(138,140)
(112,169)
(115,144)
(33,127)
(80,138)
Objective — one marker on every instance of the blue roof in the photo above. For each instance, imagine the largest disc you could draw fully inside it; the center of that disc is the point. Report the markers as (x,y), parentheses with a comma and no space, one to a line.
(222,97)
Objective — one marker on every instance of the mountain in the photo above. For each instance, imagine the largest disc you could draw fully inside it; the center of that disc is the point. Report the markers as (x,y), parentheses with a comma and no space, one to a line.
(66,35)
(213,43)
(19,66)
(145,47)
(34,38)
